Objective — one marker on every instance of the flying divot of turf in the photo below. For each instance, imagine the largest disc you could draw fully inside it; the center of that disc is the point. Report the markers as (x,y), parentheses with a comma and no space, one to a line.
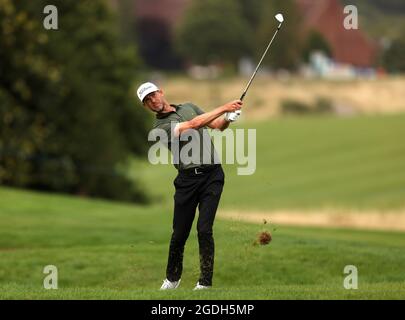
(264,237)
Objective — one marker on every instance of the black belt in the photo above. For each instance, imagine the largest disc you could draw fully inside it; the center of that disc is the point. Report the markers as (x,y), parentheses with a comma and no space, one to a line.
(199,170)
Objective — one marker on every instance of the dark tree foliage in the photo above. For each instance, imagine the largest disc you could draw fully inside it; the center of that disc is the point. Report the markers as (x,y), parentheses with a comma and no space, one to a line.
(213,31)
(315,42)
(394,57)
(68,117)
(286,50)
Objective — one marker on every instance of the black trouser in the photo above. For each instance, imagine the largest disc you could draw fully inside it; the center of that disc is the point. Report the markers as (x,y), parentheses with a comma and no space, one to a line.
(192,189)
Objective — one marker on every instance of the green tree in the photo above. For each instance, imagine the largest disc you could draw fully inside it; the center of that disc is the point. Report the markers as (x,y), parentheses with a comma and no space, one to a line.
(69,121)
(393,58)
(251,11)
(315,41)
(213,31)
(286,50)
(125,10)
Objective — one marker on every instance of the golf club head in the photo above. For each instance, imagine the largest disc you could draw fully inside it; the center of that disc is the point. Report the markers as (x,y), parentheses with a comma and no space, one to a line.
(279,17)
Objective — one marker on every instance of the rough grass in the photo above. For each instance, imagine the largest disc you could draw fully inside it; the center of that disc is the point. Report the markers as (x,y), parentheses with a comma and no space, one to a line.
(267,94)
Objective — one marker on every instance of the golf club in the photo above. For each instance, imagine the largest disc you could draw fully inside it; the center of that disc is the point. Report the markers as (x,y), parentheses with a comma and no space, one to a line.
(279,17)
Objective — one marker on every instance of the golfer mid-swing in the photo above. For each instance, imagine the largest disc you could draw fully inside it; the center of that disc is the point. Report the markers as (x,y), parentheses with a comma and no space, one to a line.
(197,183)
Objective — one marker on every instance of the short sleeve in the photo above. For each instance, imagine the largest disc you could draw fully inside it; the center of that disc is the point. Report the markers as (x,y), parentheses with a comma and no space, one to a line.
(163,132)
(197,110)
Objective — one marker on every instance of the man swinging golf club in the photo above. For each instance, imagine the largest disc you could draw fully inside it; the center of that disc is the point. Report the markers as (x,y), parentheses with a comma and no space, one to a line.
(197,183)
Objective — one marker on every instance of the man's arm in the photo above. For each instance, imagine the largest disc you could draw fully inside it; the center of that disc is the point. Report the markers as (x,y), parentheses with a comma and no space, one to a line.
(206,118)
(219,123)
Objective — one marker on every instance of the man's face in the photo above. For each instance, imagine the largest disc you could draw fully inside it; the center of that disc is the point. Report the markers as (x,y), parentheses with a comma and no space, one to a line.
(154,101)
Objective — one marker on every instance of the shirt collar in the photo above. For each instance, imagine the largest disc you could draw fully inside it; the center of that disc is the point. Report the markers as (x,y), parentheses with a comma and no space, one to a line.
(166,114)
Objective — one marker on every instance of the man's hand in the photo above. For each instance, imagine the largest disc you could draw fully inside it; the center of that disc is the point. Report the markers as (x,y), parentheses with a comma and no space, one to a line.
(233,116)
(233,106)
(233,109)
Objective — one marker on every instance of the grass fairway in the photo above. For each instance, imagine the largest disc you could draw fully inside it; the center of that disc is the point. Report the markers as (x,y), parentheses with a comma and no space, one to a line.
(311,162)
(106,250)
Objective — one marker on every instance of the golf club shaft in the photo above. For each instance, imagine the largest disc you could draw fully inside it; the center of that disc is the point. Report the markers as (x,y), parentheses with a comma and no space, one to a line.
(260,62)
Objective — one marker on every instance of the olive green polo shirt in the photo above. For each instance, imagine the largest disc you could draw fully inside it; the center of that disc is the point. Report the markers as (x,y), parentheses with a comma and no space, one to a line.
(194,148)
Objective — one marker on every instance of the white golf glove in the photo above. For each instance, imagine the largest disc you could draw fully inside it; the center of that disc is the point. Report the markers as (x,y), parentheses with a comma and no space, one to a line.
(233,116)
